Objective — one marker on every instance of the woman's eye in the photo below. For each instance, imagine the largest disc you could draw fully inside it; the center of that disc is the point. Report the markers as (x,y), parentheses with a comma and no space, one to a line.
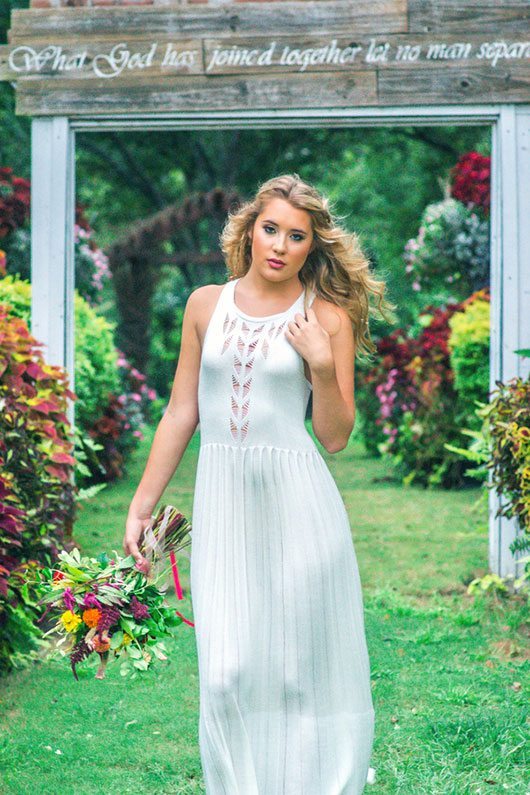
(296,235)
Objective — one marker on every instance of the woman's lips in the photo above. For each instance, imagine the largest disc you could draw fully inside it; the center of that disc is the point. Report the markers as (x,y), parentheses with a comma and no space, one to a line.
(275,264)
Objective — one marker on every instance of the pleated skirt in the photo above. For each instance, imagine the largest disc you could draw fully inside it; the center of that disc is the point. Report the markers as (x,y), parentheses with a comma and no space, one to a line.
(284,674)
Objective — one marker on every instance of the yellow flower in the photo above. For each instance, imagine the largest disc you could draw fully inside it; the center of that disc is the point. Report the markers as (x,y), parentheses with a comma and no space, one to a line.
(70,620)
(126,639)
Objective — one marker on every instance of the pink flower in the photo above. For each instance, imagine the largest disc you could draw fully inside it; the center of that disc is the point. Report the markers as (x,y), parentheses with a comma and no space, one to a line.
(69,601)
(90,601)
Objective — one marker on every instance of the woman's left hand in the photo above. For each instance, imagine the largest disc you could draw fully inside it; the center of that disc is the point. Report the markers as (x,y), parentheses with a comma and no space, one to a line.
(311,340)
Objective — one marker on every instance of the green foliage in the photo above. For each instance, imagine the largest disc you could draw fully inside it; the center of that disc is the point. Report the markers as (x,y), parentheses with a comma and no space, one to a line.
(168,305)
(96,372)
(502,446)
(469,356)
(500,586)
(508,414)
(477,452)
(37,493)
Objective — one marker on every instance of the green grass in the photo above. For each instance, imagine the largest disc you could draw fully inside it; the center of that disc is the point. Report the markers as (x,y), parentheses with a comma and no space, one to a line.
(450,672)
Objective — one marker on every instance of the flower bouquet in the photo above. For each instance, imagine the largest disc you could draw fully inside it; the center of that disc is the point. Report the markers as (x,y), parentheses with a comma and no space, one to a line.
(112,606)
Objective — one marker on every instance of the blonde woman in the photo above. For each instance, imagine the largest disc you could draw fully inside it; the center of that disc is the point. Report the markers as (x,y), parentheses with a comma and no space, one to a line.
(285,698)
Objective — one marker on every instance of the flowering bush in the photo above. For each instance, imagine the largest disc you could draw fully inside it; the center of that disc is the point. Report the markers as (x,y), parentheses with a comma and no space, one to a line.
(37,504)
(91,264)
(14,201)
(451,249)
(413,383)
(471,180)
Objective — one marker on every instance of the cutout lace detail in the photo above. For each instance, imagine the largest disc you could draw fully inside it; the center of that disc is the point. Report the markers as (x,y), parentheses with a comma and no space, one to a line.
(244,344)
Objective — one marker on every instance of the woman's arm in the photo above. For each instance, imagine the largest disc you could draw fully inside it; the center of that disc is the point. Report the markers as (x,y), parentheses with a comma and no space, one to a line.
(325,340)
(173,433)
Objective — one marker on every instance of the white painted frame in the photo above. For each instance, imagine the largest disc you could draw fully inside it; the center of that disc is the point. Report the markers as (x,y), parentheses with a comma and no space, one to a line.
(53,203)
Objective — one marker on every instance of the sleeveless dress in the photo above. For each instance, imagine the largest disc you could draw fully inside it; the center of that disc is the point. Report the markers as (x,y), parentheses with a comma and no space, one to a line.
(284,673)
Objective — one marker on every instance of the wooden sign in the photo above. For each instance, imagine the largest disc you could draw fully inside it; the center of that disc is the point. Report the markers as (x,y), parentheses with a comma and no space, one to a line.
(256,55)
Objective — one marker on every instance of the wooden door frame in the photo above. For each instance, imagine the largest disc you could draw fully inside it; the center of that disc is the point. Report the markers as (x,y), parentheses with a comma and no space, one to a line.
(53,207)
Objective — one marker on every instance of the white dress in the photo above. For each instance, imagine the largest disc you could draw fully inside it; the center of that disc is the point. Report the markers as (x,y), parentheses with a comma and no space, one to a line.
(284,673)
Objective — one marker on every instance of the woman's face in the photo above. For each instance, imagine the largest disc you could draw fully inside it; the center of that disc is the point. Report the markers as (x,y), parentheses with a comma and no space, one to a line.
(281,232)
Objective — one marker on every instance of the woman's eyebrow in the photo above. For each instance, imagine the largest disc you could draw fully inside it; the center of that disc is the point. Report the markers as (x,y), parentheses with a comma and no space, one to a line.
(268,221)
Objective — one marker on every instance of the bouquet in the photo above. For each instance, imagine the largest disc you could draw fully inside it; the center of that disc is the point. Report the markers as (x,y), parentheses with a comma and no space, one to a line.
(112,606)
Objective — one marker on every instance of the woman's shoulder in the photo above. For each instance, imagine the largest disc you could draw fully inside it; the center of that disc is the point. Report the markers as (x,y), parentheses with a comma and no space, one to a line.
(203,298)
(329,315)
(201,304)
(205,292)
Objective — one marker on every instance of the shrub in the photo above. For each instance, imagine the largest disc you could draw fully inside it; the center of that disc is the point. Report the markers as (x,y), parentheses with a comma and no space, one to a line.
(14,201)
(469,355)
(37,494)
(91,264)
(114,399)
(413,383)
(96,359)
(502,447)
(508,415)
(451,249)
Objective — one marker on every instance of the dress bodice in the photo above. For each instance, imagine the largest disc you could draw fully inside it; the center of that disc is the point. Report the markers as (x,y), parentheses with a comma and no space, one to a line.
(252,385)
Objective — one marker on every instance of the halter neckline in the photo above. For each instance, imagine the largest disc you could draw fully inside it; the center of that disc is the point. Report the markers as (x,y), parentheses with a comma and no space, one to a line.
(261,317)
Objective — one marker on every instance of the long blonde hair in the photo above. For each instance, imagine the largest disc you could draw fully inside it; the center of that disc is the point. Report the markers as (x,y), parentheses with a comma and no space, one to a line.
(335,268)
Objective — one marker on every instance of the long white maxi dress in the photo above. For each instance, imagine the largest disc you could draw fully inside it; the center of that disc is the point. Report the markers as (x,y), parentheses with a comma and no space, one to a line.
(284,673)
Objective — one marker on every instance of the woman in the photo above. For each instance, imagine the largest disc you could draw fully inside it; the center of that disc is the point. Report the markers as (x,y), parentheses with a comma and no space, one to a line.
(285,698)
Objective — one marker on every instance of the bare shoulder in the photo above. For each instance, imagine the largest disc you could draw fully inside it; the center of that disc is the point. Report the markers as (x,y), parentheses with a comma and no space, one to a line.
(204,295)
(200,306)
(330,316)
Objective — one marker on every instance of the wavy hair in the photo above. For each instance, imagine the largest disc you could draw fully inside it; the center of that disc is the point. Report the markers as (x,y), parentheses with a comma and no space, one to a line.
(335,269)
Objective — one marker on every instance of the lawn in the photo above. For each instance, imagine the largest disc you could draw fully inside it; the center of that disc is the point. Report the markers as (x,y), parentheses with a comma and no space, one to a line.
(450,672)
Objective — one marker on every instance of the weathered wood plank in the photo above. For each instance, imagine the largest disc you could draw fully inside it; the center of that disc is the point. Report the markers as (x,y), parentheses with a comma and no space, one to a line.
(341,53)
(454,84)
(455,16)
(363,16)
(76,58)
(88,59)
(41,97)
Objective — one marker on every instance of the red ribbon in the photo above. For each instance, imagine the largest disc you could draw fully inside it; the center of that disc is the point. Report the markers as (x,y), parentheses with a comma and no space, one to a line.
(178,588)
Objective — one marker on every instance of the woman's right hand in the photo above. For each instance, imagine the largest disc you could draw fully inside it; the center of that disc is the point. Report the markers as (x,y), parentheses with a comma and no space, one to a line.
(134,530)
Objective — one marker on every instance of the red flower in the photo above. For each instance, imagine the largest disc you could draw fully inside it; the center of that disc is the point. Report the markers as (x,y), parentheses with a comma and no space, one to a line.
(471,180)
